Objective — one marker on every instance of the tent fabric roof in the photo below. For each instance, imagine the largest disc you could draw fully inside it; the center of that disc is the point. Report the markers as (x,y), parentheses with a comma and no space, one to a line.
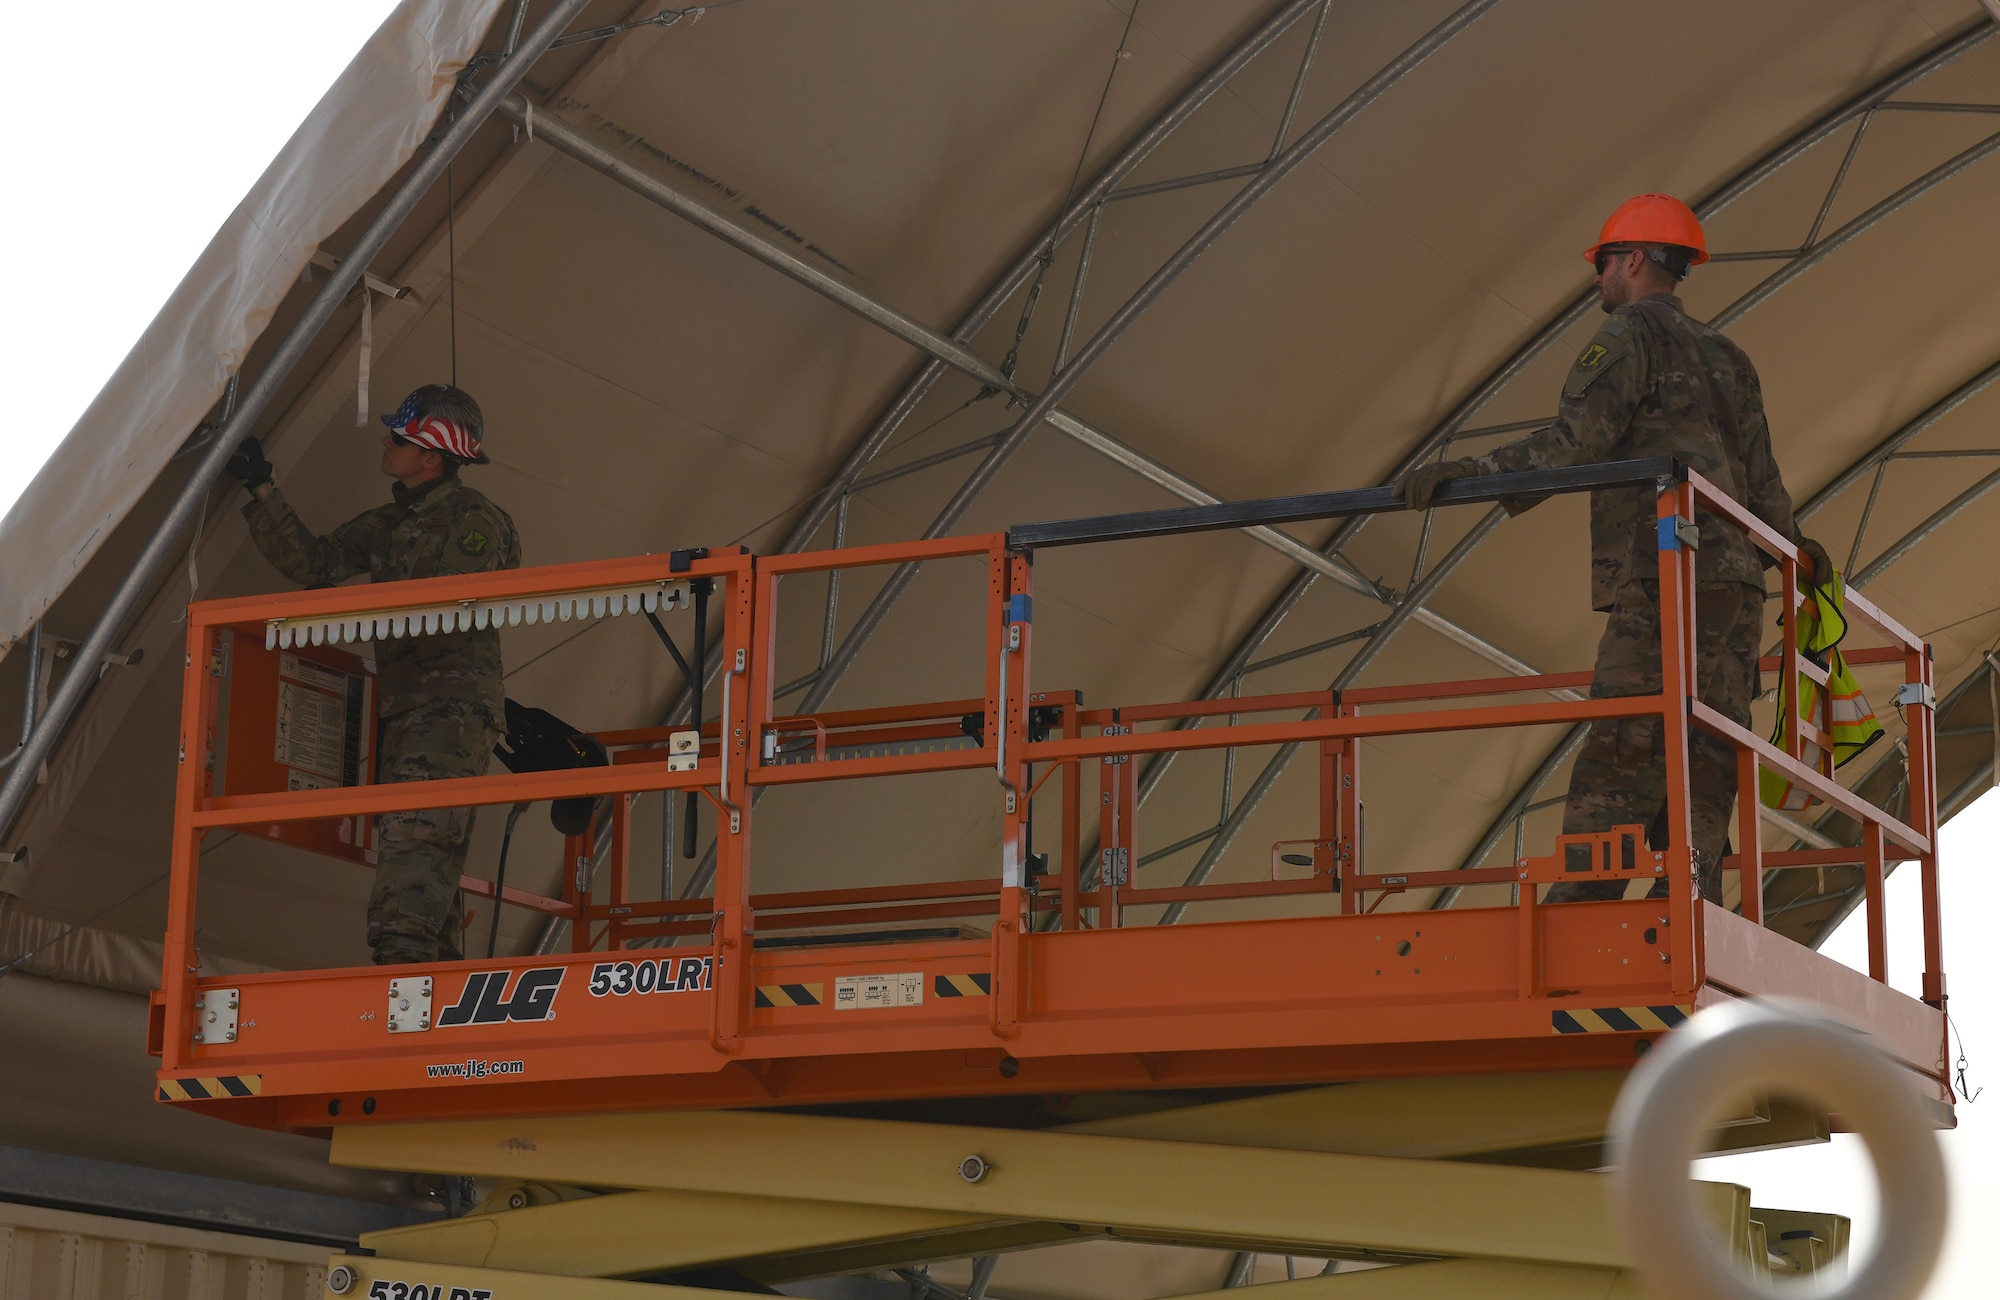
(648,387)
(368,123)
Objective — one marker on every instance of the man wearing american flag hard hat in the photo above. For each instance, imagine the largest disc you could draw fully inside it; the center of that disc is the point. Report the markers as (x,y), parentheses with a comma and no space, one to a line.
(441,703)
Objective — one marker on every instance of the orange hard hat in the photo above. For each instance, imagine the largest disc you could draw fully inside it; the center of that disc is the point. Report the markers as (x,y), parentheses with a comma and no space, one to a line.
(1652,219)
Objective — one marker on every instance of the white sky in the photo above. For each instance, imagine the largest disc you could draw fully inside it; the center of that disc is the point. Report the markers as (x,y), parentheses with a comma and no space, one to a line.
(123,165)
(184,106)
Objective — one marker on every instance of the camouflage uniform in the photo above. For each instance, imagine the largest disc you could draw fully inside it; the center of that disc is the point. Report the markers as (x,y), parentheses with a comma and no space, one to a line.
(441,702)
(1637,390)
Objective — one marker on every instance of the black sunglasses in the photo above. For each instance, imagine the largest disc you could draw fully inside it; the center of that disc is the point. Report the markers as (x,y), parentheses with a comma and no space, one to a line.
(1604,256)
(399,439)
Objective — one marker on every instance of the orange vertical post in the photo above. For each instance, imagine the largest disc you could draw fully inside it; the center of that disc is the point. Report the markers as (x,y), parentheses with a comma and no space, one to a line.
(1788,661)
(576,861)
(1528,936)
(193,783)
(621,870)
(1922,742)
(1676,502)
(1072,821)
(1873,870)
(735,922)
(1349,817)
(1326,850)
(1010,620)
(1116,806)
(1749,839)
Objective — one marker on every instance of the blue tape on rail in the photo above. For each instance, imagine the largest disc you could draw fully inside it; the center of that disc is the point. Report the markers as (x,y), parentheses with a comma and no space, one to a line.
(1020,609)
(1670,540)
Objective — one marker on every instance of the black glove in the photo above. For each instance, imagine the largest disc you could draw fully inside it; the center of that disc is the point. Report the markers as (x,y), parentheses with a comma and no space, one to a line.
(248,465)
(1418,486)
(1822,563)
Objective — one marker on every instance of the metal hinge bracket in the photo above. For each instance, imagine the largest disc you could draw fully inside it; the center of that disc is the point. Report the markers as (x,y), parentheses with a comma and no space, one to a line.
(215,1015)
(410,1004)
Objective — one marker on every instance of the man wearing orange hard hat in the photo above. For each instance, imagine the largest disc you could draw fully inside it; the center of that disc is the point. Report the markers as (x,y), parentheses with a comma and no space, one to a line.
(1655,381)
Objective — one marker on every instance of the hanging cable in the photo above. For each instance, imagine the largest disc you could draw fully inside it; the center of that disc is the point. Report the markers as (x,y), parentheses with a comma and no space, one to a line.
(500,875)
(451,265)
(1965,1089)
(8,968)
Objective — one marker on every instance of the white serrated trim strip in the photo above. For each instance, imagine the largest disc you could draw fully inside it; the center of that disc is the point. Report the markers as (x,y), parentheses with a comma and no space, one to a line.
(475,615)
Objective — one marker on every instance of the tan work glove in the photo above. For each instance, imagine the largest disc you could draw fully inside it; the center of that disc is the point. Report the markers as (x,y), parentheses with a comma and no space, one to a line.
(1815,555)
(1418,486)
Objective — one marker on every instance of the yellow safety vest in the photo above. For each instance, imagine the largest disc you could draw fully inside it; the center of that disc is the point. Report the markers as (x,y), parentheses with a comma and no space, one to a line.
(1822,627)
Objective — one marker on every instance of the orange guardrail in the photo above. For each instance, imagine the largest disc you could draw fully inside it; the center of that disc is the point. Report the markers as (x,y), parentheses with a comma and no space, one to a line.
(742,997)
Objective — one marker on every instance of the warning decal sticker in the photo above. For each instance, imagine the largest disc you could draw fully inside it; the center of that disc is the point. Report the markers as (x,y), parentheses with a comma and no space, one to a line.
(853,992)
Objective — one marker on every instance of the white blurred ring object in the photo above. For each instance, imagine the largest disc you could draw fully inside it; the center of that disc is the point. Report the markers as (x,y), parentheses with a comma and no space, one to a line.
(1675,1096)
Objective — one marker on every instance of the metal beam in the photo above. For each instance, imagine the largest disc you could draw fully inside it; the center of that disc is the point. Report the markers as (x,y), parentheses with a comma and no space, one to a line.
(1897,201)
(163,545)
(574,143)
(1944,515)
(1334,505)
(946,350)
(1066,379)
(1320,564)
(1895,442)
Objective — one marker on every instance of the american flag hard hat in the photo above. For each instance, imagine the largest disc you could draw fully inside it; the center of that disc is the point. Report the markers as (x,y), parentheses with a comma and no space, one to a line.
(433,430)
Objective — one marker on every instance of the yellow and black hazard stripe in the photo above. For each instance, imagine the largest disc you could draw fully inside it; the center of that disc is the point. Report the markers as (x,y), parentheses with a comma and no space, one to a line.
(222,1085)
(790,995)
(1617,1020)
(977,985)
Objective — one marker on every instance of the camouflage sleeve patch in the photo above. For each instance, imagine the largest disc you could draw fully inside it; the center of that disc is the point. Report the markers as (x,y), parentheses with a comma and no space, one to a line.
(1598,356)
(475,543)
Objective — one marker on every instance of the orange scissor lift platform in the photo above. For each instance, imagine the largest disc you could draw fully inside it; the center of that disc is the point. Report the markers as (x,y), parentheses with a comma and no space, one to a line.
(707,1003)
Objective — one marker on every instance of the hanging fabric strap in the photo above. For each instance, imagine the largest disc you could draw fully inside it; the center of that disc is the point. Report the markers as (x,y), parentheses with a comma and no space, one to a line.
(367,350)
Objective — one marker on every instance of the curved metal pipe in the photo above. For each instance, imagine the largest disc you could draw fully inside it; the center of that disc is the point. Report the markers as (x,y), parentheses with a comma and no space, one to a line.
(1277,24)
(1890,445)
(1070,375)
(1819,252)
(28,698)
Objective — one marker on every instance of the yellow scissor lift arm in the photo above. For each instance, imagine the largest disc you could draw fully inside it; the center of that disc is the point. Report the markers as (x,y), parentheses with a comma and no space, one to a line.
(1390,1171)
